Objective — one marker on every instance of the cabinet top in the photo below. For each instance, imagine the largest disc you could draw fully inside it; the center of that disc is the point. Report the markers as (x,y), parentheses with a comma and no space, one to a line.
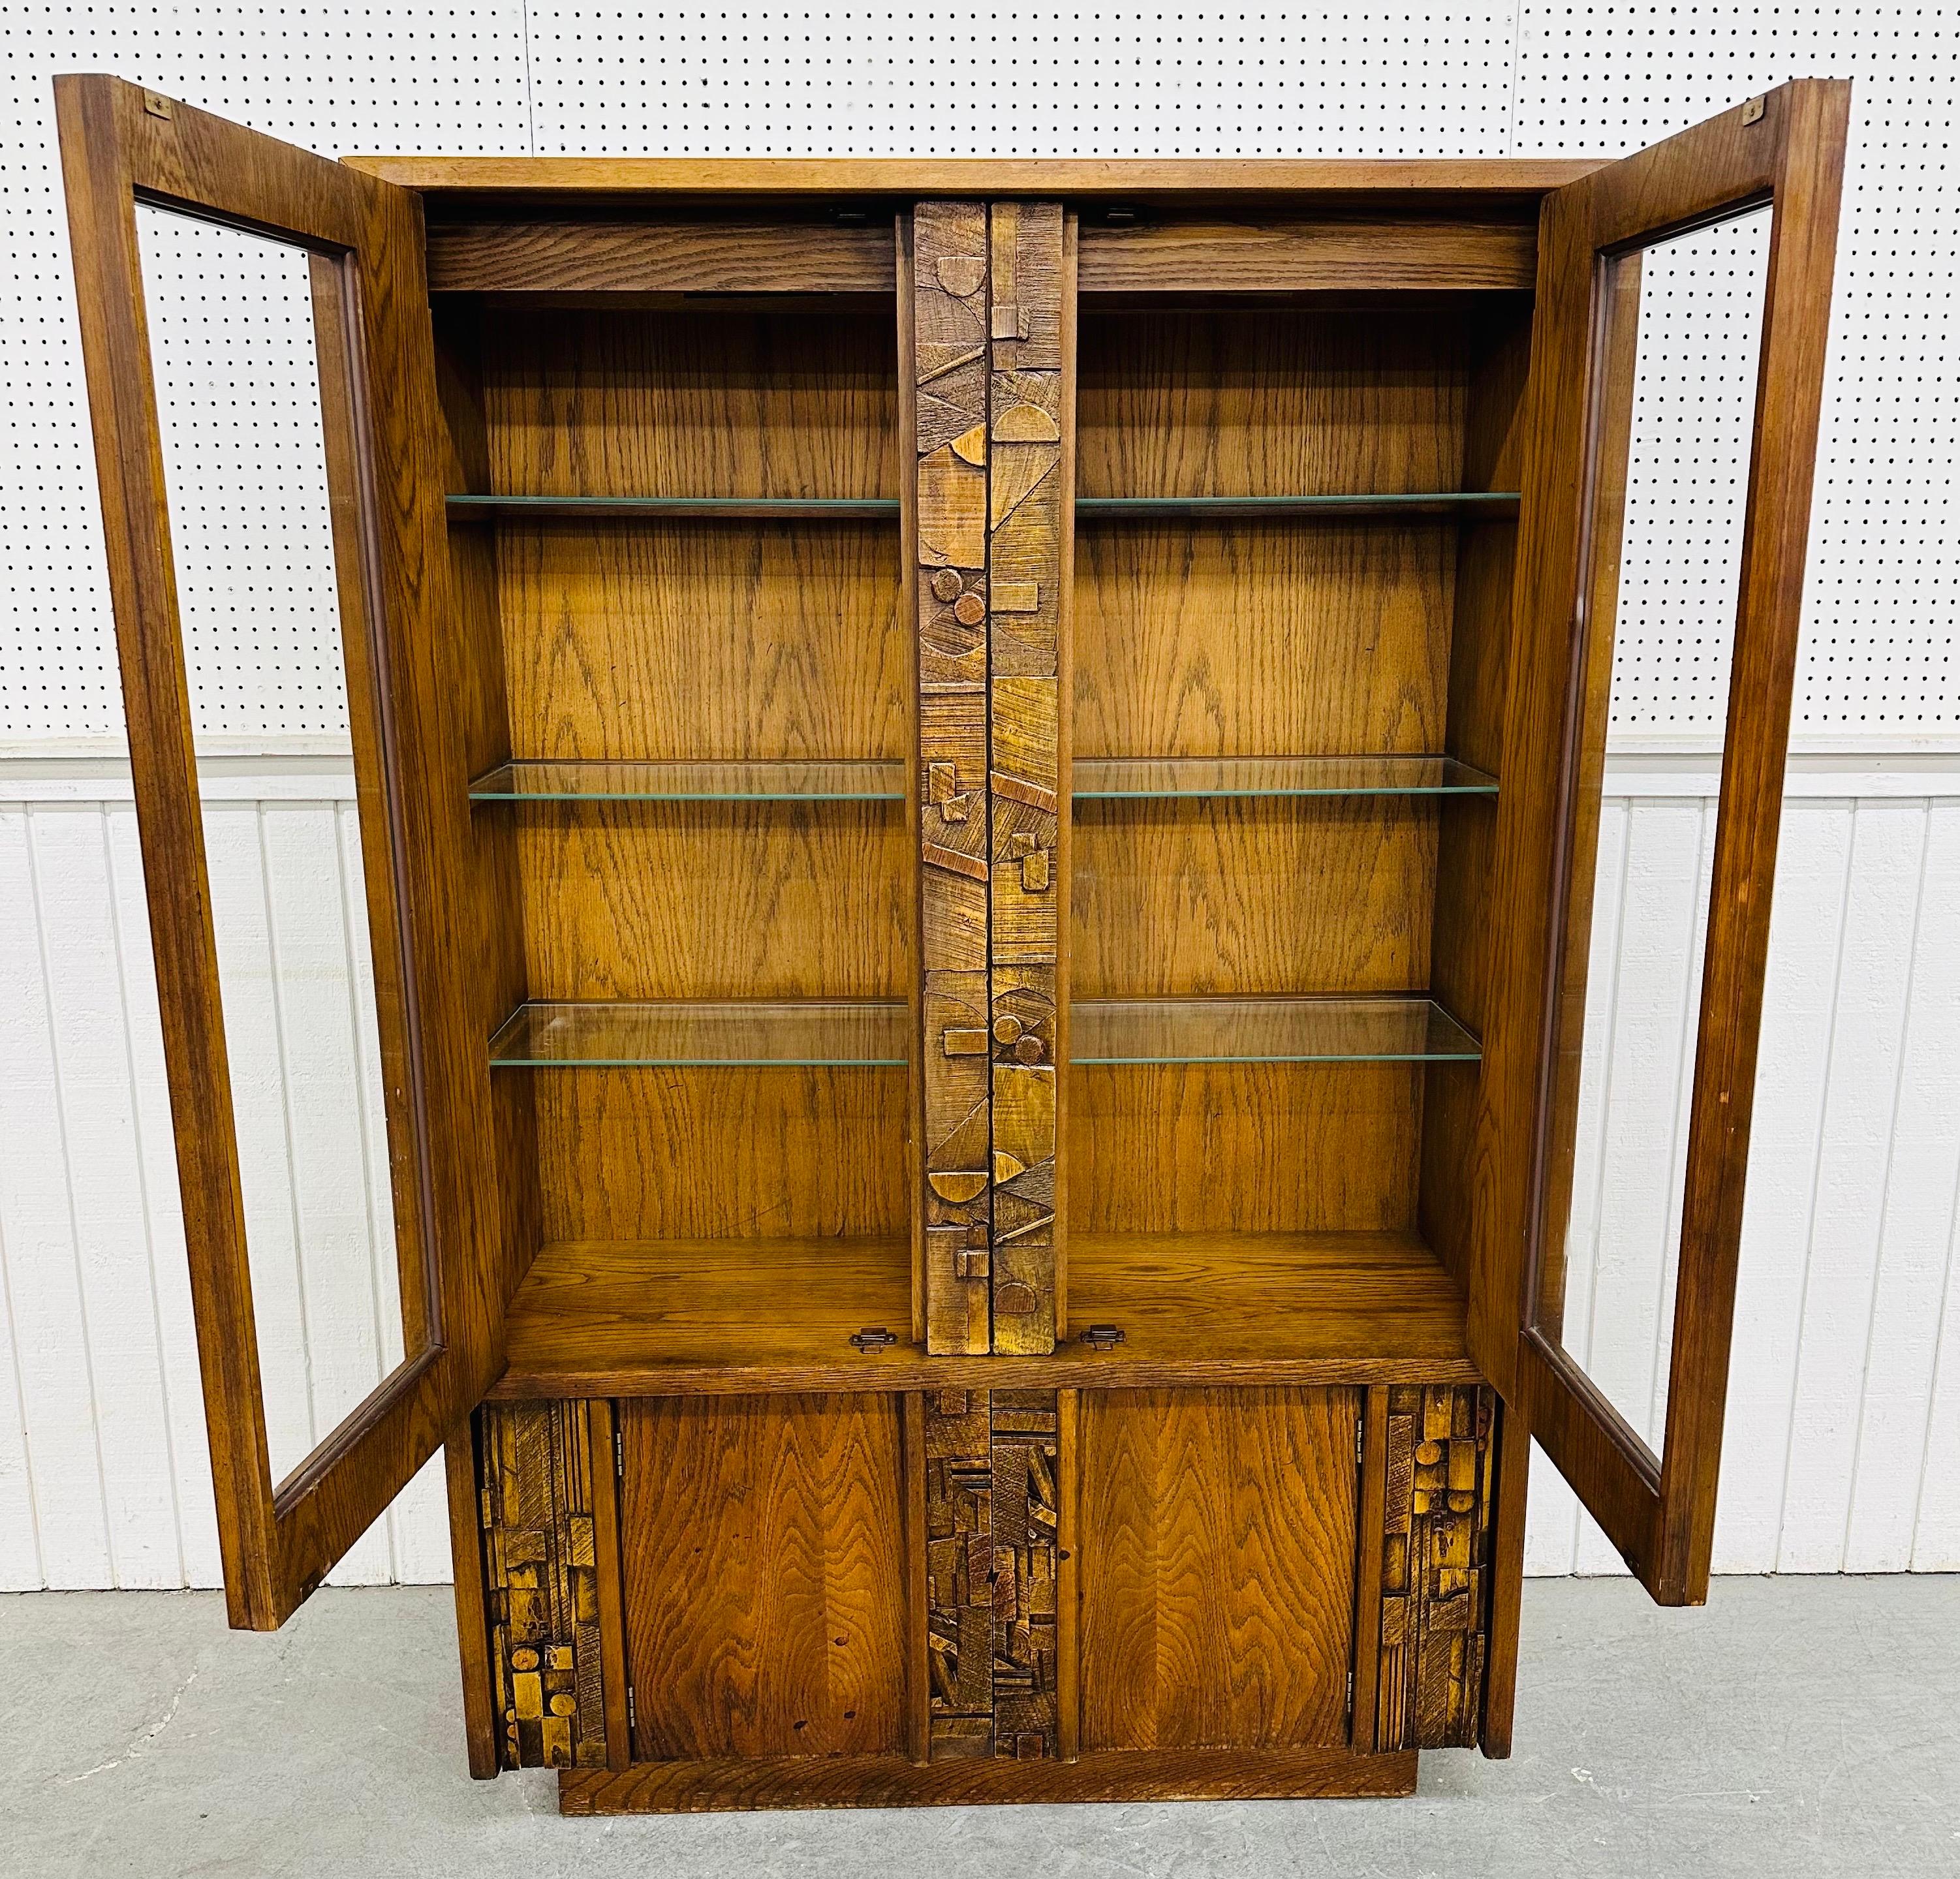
(1486,179)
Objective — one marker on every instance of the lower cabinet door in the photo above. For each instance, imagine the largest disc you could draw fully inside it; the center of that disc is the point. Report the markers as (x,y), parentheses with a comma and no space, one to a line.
(1218,1567)
(762,1551)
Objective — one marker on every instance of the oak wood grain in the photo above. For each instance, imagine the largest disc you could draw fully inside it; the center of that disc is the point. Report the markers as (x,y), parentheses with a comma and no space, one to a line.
(1142,177)
(1207,1148)
(1260,638)
(719,257)
(1189,896)
(1278,253)
(1217,1568)
(599,1318)
(686,402)
(677,639)
(714,900)
(651,1154)
(1267,401)
(765,1585)
(868,1781)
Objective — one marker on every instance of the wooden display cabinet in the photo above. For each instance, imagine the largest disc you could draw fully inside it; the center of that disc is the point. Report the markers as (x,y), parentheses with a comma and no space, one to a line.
(979,784)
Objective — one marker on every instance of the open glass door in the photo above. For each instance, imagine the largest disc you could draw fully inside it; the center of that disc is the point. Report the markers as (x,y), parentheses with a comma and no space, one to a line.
(328,1082)
(1684,298)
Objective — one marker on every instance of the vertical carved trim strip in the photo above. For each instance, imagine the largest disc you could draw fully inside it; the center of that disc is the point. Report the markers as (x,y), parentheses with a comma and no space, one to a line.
(950,366)
(992,1465)
(1026,1455)
(1026,532)
(959,1568)
(541,1576)
(1436,1548)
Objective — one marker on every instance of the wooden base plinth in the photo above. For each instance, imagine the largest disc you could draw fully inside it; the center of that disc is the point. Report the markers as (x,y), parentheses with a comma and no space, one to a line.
(887,1781)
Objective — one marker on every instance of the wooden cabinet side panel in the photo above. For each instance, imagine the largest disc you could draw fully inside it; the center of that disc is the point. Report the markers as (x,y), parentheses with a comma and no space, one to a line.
(1216,1567)
(765,1575)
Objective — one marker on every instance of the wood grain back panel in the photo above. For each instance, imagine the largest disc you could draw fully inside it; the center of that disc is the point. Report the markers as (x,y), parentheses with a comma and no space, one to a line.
(1210,1148)
(1218,1567)
(715,900)
(692,402)
(1252,895)
(765,1575)
(721,1153)
(677,640)
(1261,638)
(1268,400)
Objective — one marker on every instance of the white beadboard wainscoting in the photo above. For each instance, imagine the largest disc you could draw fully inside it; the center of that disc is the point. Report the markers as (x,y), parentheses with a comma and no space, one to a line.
(1843,1432)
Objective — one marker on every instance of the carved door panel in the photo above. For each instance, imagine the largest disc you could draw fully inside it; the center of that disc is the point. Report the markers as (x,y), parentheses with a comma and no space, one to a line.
(294,1142)
(1646,1178)
(988,331)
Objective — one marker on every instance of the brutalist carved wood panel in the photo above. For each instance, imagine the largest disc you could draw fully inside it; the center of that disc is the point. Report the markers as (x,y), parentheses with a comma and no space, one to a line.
(992,1559)
(949,368)
(1436,1550)
(960,1571)
(1026,532)
(1026,1453)
(540,1574)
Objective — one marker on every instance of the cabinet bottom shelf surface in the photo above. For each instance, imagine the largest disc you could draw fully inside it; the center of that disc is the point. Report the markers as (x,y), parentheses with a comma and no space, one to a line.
(658,1316)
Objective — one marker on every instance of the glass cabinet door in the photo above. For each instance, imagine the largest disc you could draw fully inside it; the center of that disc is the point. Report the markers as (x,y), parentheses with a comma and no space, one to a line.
(261,386)
(1703,262)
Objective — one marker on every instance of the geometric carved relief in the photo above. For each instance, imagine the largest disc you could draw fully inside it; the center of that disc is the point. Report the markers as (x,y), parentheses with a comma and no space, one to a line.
(541,1575)
(990,1568)
(949,323)
(1435,1557)
(1026,524)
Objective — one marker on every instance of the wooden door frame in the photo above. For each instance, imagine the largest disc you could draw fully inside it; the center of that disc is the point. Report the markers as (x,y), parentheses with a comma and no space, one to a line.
(1785,150)
(121,145)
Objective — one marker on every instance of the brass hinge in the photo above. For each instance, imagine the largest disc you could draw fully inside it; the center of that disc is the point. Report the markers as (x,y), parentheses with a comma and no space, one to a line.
(1752,112)
(873,1337)
(1101,1336)
(618,1452)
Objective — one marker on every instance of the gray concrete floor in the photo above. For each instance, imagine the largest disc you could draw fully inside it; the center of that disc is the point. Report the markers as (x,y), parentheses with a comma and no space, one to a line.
(1807,1726)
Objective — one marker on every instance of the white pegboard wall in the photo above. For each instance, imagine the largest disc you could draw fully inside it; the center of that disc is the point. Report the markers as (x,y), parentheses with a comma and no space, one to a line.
(1694,401)
(335,78)
(1024,80)
(1360,80)
(237,378)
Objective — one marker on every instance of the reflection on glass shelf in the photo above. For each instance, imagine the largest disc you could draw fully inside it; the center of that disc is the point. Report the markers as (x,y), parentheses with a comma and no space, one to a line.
(1266,1030)
(737,508)
(551,780)
(625,1033)
(1472,503)
(1112,778)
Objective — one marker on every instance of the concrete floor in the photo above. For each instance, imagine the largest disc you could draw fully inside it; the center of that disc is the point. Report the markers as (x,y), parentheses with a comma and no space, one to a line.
(1806,1726)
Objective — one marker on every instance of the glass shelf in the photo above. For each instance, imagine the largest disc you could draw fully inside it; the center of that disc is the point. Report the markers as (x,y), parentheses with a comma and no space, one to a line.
(625,1034)
(1448,502)
(1109,779)
(733,508)
(551,780)
(1097,779)
(1266,1030)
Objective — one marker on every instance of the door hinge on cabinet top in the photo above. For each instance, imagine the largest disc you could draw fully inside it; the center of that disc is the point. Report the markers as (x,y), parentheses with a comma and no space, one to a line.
(1361,1441)
(619,1453)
